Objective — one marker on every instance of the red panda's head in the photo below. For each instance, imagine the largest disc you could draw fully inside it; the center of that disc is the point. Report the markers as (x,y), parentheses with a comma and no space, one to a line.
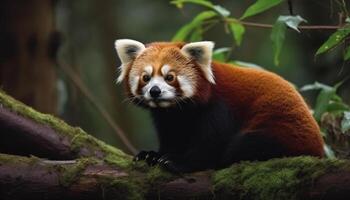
(163,74)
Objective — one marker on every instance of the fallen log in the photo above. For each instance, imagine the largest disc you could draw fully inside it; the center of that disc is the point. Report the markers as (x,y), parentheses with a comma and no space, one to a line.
(66,163)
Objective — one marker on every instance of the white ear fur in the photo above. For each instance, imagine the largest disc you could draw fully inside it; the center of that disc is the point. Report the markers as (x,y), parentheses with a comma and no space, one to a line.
(201,52)
(127,51)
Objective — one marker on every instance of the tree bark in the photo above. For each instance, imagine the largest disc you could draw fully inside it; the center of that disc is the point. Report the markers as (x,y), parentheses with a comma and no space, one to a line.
(82,167)
(28,47)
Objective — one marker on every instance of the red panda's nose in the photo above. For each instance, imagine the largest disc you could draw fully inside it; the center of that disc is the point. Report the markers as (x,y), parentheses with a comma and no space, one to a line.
(155,92)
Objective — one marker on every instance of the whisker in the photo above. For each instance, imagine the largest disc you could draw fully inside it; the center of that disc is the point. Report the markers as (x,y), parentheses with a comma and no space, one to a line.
(128,99)
(178,102)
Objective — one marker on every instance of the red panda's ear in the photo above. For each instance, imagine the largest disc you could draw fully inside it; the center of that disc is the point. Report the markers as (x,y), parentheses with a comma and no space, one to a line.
(201,52)
(127,51)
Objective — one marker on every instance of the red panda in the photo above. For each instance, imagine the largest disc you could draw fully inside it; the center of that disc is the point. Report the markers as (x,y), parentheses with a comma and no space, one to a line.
(209,115)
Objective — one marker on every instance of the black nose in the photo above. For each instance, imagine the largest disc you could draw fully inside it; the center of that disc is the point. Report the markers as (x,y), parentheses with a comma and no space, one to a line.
(155,91)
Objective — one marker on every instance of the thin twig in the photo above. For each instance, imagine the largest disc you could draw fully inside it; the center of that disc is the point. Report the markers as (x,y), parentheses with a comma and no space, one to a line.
(262,25)
(76,80)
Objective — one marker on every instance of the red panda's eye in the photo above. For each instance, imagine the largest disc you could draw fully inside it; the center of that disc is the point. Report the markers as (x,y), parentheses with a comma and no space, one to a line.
(169,77)
(146,78)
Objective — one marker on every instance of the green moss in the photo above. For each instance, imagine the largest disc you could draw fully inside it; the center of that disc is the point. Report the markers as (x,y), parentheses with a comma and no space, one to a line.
(79,138)
(71,172)
(129,186)
(274,179)
(157,175)
(29,112)
(124,188)
(12,159)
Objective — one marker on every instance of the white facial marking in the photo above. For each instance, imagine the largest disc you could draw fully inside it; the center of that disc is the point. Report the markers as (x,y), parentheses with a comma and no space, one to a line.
(134,82)
(186,86)
(148,69)
(168,92)
(152,104)
(164,104)
(165,69)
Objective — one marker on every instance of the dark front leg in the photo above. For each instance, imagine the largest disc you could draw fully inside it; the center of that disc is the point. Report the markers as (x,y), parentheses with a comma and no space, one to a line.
(151,157)
(195,159)
(169,162)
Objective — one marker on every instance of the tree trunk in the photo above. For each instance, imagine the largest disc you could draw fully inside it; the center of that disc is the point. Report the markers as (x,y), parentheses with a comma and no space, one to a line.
(82,167)
(28,46)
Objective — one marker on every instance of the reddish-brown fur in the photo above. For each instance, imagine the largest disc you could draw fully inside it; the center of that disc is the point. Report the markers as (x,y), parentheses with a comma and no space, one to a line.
(265,103)
(268,104)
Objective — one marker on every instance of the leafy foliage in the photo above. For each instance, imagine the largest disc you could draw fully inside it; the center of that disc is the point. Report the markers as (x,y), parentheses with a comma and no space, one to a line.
(345,123)
(279,31)
(194,25)
(221,54)
(237,30)
(217,8)
(292,21)
(334,40)
(327,100)
(194,30)
(347,53)
(246,64)
(333,115)
(277,37)
(260,6)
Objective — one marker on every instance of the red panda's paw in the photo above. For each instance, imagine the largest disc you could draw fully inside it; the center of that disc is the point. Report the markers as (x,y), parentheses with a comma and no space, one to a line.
(171,164)
(151,157)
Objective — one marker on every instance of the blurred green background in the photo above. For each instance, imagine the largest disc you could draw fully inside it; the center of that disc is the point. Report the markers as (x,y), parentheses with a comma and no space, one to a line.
(81,34)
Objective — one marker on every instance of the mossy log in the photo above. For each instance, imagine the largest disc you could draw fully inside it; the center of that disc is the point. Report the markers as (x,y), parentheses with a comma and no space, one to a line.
(52,160)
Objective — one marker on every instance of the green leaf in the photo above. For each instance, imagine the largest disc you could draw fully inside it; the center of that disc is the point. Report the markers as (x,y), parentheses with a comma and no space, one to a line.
(196,34)
(217,8)
(179,3)
(336,107)
(237,30)
(327,100)
(315,86)
(322,102)
(347,20)
(220,54)
(221,10)
(279,30)
(347,53)
(260,6)
(277,37)
(292,21)
(185,31)
(246,64)
(328,152)
(335,39)
(345,123)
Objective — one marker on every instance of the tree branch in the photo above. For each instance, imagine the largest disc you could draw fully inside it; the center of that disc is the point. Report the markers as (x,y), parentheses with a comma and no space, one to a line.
(88,178)
(77,82)
(110,174)
(31,138)
(25,131)
(33,178)
(303,27)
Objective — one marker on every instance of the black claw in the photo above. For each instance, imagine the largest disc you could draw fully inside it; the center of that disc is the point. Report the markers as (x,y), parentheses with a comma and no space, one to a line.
(154,161)
(150,157)
(167,163)
(140,156)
